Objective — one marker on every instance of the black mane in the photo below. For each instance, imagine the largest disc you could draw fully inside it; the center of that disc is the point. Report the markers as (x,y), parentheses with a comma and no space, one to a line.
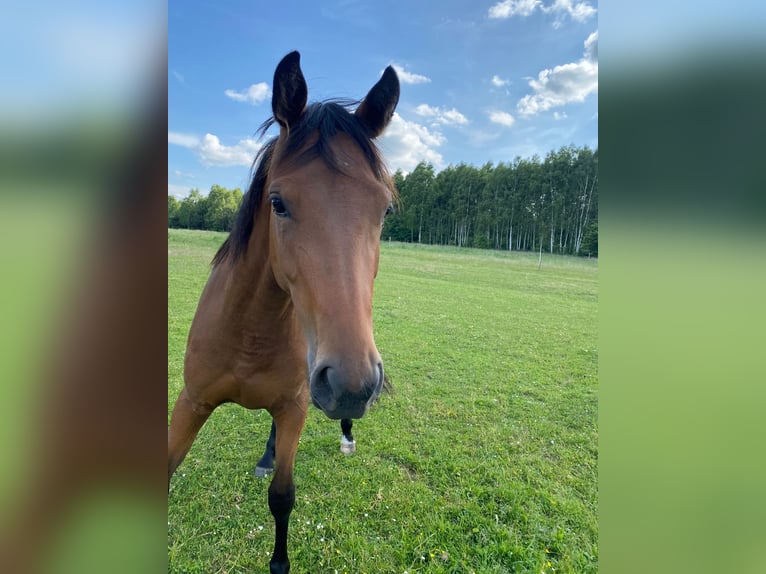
(327,119)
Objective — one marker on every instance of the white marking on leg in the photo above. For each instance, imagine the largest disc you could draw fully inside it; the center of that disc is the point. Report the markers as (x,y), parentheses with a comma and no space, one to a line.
(262,472)
(347,446)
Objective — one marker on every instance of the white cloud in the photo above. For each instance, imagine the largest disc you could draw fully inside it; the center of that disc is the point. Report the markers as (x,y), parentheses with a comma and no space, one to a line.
(184,140)
(408,143)
(508,8)
(499,82)
(560,9)
(441,116)
(559,115)
(426,110)
(563,84)
(255,94)
(502,118)
(408,77)
(212,152)
(591,47)
(453,117)
(579,11)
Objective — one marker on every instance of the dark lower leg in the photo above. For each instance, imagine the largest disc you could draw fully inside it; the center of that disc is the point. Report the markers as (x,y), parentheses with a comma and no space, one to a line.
(282,488)
(266,463)
(345,427)
(281,505)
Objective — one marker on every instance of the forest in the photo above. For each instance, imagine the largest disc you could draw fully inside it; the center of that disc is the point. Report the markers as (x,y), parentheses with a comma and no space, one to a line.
(214,212)
(548,205)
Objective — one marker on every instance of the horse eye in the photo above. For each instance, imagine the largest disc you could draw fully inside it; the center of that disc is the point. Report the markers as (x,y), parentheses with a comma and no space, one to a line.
(389,211)
(278,207)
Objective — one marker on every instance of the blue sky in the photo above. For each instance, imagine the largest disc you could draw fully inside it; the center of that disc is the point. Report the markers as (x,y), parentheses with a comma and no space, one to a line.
(480,81)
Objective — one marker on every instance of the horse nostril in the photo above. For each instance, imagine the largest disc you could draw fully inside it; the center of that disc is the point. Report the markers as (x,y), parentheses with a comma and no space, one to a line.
(341,393)
(320,380)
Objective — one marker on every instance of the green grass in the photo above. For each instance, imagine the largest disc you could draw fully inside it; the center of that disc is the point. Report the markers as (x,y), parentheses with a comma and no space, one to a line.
(483,460)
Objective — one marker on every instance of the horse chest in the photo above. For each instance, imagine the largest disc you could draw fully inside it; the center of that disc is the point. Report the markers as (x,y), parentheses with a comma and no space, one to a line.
(258,351)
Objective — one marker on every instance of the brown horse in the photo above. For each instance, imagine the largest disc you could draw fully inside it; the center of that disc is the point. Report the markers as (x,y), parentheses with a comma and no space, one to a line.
(287,310)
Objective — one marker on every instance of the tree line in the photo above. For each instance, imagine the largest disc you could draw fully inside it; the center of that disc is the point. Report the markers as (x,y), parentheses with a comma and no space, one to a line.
(525,205)
(215,212)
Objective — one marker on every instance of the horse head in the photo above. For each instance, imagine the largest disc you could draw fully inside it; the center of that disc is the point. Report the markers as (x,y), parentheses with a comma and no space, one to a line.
(327,192)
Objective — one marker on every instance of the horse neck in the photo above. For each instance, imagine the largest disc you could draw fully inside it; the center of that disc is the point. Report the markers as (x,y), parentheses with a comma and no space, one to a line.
(244,319)
(252,292)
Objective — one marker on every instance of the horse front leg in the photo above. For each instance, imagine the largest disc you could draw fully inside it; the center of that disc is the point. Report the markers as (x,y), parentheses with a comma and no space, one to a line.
(347,442)
(185,422)
(289,425)
(265,466)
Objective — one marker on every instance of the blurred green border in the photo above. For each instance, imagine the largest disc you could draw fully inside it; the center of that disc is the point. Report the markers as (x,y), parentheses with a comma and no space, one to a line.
(682,309)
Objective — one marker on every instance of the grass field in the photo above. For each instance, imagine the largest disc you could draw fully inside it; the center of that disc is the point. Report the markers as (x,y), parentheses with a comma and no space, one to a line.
(482,460)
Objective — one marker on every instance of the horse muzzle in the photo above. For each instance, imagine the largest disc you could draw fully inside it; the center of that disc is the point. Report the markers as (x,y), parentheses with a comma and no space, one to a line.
(343,394)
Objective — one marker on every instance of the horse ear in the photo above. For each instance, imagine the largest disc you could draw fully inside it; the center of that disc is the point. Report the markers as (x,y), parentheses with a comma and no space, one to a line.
(290,92)
(378,106)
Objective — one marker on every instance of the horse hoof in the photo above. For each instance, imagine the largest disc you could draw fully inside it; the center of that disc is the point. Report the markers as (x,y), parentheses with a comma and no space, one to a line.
(347,446)
(262,471)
